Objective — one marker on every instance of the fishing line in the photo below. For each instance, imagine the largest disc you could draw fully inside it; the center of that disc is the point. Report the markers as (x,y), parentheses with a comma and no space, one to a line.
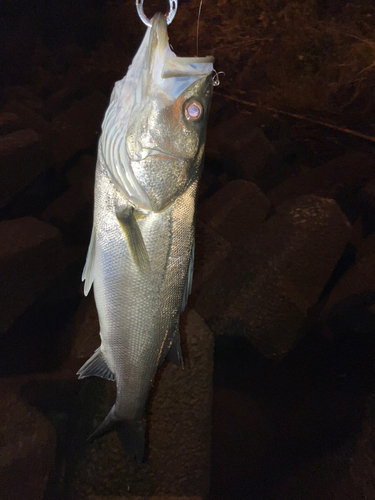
(199,15)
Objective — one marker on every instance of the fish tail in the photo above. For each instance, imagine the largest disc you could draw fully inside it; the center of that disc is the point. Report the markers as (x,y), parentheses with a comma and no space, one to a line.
(131,434)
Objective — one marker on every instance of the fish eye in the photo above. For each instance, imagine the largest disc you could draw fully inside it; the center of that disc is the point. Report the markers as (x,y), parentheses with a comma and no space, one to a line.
(193,110)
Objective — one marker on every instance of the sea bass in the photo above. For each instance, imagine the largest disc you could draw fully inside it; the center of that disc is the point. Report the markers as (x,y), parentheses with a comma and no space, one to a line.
(140,257)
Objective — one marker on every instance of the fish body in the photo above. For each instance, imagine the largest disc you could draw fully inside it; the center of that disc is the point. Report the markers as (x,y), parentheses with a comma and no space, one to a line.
(141,252)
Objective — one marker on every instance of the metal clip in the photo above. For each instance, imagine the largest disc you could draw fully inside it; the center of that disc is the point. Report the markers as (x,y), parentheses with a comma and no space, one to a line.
(173,4)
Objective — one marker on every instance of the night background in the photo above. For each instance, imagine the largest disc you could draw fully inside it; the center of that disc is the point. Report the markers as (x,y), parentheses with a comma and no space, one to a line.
(277,398)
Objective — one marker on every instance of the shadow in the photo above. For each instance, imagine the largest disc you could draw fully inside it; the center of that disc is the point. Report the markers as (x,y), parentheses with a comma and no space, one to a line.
(71,407)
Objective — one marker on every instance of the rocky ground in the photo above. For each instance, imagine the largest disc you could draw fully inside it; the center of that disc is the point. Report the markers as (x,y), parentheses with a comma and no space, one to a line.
(284,281)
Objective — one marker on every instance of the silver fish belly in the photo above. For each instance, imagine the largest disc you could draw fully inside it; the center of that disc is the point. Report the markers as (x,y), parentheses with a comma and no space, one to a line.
(141,252)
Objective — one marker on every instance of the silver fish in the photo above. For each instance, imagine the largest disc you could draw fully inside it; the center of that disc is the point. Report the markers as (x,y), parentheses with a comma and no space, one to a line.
(141,253)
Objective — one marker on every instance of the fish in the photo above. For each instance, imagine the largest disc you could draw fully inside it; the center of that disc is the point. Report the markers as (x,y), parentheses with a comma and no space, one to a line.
(141,252)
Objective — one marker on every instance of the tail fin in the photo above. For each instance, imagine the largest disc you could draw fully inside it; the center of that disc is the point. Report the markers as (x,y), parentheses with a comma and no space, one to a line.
(131,434)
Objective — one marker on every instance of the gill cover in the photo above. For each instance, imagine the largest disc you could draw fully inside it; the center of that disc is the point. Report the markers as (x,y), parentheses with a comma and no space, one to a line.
(142,115)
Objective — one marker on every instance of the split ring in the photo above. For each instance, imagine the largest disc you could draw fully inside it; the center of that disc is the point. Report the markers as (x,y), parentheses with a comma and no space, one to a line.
(173,4)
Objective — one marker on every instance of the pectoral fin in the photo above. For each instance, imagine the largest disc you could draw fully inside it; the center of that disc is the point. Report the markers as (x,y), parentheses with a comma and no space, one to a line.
(134,237)
(88,270)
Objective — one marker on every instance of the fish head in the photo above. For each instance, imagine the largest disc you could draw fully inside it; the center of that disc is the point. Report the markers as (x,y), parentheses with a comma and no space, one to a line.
(166,142)
(160,110)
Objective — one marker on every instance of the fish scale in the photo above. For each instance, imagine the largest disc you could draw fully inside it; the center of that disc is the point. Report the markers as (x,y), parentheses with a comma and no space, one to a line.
(169,236)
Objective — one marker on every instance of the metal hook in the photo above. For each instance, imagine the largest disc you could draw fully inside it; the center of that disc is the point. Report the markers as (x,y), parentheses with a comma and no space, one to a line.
(173,4)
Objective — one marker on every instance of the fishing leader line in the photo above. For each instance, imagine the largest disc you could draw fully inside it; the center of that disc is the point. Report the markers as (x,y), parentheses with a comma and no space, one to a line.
(199,15)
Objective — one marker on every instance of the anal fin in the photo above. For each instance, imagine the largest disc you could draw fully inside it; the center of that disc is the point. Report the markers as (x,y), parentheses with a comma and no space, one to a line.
(96,366)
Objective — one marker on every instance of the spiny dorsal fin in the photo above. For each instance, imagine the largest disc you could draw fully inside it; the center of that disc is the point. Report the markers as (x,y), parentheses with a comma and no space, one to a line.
(96,366)
(134,237)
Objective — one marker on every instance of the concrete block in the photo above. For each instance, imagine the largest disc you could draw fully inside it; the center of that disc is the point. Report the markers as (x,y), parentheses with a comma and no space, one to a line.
(81,192)
(243,149)
(22,159)
(233,212)
(28,117)
(78,127)
(267,285)
(30,256)
(358,281)
(353,168)
(211,249)
(9,122)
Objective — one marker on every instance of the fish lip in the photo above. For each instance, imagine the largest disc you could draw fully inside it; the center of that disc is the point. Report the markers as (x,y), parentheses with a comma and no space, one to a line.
(155,153)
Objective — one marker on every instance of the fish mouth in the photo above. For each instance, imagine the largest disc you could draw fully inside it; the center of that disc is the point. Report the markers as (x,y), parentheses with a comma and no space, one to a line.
(163,65)
(138,153)
(155,153)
